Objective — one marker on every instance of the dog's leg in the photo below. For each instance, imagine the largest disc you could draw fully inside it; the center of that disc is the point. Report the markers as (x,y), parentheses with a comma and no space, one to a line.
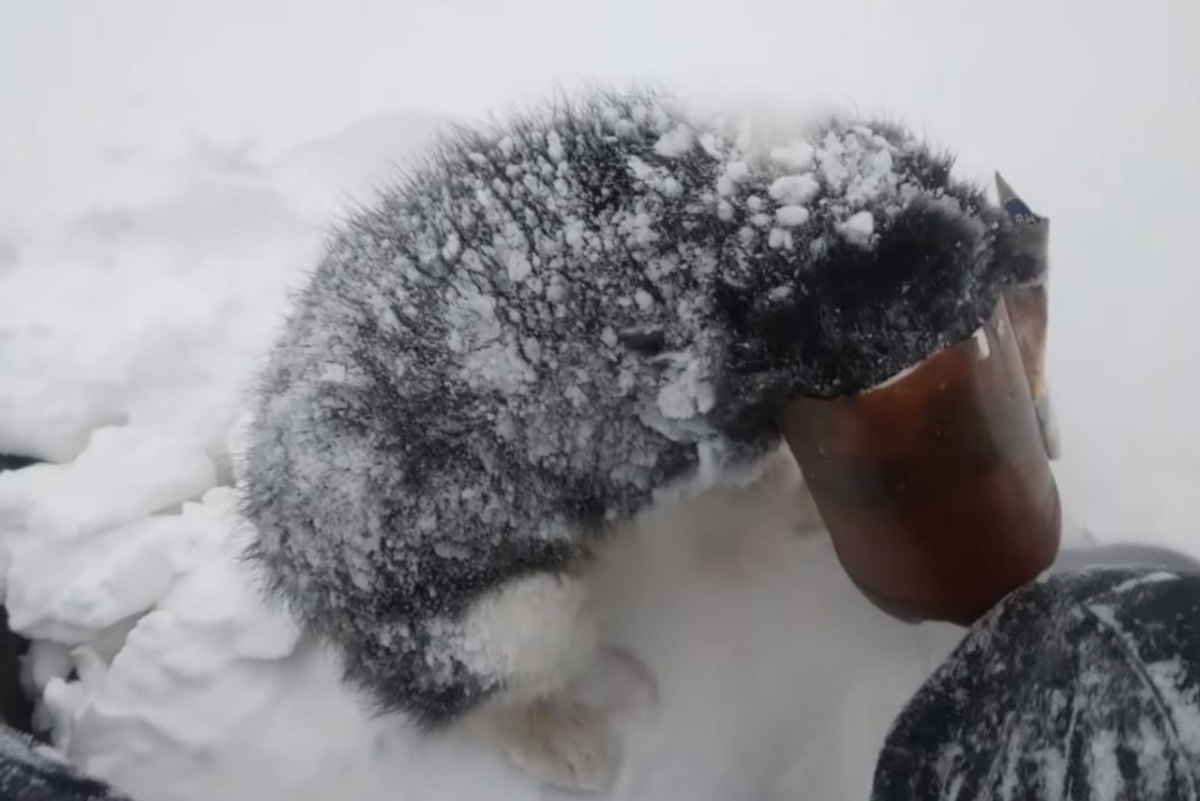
(539,635)
(556,739)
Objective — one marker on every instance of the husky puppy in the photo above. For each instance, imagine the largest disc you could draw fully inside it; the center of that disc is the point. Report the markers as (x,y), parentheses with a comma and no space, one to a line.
(542,329)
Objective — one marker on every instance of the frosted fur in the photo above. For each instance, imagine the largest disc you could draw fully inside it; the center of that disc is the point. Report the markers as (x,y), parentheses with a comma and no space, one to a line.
(548,322)
(534,631)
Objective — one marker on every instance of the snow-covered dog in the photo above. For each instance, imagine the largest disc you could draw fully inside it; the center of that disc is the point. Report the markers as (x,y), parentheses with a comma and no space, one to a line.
(548,326)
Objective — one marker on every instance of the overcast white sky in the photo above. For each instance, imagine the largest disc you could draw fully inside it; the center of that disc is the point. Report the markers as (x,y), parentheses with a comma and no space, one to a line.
(1091,108)
(79,77)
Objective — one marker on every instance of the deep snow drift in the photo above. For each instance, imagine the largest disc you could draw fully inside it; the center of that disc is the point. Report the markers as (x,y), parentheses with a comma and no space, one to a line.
(126,338)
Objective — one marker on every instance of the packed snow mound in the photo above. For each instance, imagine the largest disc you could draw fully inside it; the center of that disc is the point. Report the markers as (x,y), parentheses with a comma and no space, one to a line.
(752,631)
(153,307)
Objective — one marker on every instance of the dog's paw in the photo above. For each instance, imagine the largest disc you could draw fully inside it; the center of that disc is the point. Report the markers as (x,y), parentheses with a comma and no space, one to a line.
(558,741)
(619,683)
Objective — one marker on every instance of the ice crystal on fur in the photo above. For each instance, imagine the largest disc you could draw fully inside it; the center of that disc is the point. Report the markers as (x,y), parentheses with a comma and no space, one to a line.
(550,321)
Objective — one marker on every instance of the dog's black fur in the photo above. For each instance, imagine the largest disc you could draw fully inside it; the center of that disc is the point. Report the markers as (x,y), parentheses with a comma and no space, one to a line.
(545,323)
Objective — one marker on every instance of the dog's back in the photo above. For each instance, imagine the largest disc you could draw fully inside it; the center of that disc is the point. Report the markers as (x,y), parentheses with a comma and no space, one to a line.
(545,327)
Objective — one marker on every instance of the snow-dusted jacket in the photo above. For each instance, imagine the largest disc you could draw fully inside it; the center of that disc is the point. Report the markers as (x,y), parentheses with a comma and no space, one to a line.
(30,773)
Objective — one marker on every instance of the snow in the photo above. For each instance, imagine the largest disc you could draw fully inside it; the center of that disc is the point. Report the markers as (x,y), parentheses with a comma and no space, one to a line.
(519,267)
(791,216)
(794,190)
(779,238)
(737,171)
(858,228)
(212,694)
(982,348)
(135,298)
(796,156)
(675,142)
(686,394)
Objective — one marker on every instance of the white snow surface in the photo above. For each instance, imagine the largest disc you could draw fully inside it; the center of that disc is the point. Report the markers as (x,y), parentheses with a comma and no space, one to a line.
(129,328)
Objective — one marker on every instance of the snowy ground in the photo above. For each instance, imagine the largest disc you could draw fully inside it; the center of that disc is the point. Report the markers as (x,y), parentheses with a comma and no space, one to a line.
(136,295)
